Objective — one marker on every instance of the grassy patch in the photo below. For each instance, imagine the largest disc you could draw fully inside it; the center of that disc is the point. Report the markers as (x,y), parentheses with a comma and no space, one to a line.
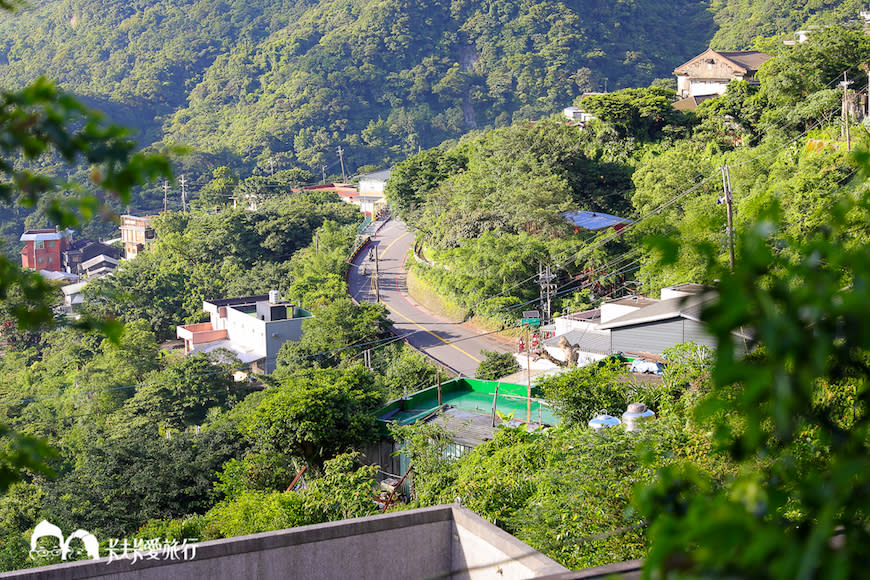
(423,292)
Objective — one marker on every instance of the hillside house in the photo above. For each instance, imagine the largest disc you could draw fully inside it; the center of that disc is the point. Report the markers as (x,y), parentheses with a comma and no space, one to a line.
(88,259)
(136,233)
(372,199)
(43,249)
(708,74)
(637,327)
(347,193)
(252,327)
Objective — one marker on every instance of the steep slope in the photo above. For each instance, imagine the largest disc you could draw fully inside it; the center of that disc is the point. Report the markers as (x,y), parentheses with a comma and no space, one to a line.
(741,21)
(292,80)
(389,76)
(134,59)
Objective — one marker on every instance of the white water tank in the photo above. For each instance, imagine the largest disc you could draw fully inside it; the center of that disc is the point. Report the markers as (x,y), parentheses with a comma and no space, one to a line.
(603,421)
(636,417)
(274,297)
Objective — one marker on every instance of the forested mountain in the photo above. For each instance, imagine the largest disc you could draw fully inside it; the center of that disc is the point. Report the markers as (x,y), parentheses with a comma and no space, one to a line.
(738,22)
(291,81)
(380,77)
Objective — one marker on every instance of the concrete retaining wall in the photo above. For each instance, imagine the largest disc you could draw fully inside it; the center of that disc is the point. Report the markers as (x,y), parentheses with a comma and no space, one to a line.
(440,542)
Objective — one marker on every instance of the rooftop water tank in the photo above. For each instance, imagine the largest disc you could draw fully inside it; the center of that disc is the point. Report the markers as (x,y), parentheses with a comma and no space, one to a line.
(274,297)
(636,417)
(603,421)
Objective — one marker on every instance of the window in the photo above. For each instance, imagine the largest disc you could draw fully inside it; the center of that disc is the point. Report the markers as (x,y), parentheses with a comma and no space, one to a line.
(39,245)
(41,260)
(49,259)
(51,244)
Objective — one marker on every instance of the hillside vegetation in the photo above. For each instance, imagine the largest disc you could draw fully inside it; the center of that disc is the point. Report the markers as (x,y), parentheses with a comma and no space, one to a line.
(489,209)
(293,80)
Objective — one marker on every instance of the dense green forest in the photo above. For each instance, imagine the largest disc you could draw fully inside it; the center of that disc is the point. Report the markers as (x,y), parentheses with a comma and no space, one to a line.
(290,81)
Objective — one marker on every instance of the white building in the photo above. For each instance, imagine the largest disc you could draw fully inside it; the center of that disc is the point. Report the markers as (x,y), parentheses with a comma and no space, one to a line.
(371,192)
(253,327)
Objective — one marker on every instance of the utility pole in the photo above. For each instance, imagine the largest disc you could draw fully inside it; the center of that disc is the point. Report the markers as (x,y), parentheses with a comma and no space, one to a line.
(271,166)
(377,277)
(341,158)
(727,199)
(317,241)
(165,194)
(528,376)
(545,279)
(367,359)
(845,86)
(183,194)
(323,173)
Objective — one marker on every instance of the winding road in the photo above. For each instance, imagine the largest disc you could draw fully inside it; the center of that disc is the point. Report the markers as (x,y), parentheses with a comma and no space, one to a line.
(454,345)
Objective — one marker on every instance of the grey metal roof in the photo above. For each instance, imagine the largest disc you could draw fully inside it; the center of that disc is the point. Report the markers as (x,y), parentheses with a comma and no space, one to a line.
(748,59)
(381,175)
(588,315)
(71,289)
(35,235)
(681,307)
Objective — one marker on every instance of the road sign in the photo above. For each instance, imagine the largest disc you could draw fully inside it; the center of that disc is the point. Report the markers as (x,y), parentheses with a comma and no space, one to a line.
(531,317)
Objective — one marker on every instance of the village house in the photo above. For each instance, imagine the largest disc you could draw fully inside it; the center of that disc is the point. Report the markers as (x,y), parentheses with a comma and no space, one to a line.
(136,234)
(252,327)
(43,248)
(708,74)
(89,259)
(637,327)
(372,200)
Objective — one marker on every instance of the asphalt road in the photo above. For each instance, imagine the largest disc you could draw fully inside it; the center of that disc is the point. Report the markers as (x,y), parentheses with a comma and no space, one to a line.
(452,344)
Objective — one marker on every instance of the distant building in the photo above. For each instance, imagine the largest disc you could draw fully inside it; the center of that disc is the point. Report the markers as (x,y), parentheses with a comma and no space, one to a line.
(88,259)
(708,74)
(72,296)
(136,233)
(347,193)
(577,116)
(253,327)
(372,199)
(638,327)
(43,248)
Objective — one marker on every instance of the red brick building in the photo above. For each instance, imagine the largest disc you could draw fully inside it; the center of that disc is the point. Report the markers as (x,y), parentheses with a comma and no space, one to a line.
(42,249)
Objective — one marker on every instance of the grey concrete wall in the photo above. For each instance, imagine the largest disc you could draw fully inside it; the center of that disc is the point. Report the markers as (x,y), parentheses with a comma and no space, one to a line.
(439,542)
(482,551)
(277,333)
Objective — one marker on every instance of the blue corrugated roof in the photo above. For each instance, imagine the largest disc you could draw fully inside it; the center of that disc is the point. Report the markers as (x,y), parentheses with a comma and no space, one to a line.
(593,220)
